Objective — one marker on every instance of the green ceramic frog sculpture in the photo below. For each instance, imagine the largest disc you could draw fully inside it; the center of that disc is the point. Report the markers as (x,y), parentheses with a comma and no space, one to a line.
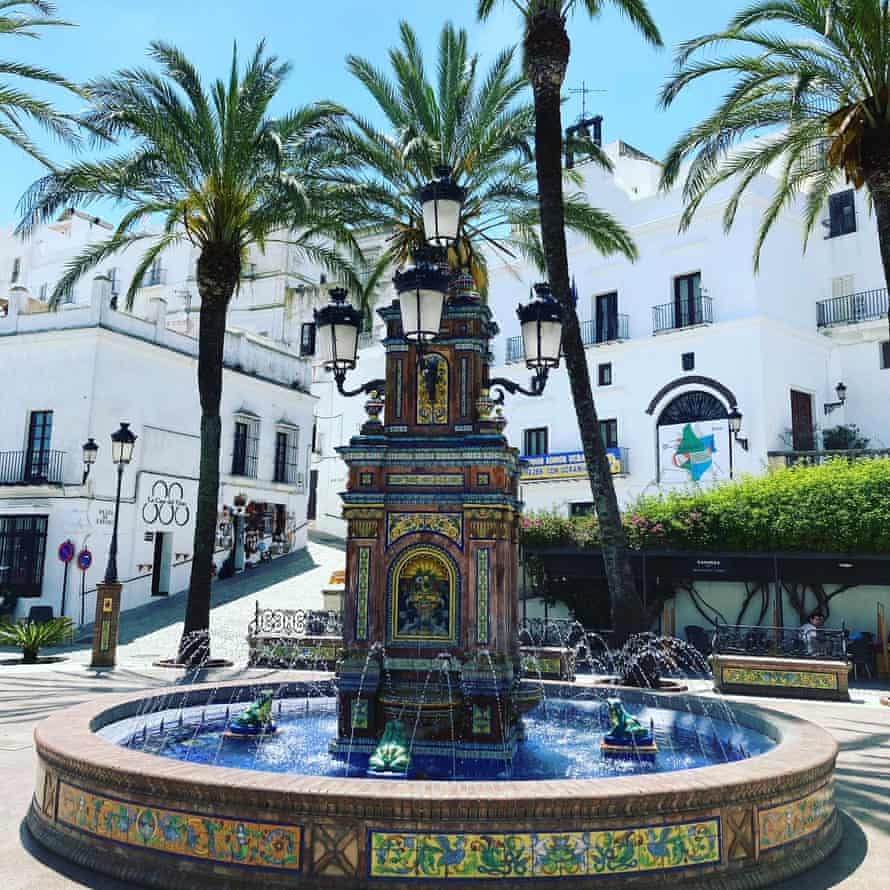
(391,754)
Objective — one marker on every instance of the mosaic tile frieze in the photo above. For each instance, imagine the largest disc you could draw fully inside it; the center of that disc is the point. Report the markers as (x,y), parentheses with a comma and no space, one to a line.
(483,584)
(796,819)
(209,838)
(431,480)
(646,849)
(450,525)
(745,676)
(363,588)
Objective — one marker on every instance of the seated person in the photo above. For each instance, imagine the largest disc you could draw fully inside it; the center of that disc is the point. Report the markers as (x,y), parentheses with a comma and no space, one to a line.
(810,630)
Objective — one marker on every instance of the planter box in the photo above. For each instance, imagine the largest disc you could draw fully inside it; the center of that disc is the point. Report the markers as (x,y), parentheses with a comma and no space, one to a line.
(782,677)
(274,650)
(548,662)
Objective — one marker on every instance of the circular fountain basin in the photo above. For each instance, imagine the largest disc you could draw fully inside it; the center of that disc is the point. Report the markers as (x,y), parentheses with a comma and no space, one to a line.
(169,822)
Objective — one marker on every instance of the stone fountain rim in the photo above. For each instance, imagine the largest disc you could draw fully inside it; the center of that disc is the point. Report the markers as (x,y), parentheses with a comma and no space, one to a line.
(68,740)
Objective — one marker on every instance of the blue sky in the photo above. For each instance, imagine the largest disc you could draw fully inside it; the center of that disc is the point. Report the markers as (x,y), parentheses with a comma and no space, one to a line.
(316,37)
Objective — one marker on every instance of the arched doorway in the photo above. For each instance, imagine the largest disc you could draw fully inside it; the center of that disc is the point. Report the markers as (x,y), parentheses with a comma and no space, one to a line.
(694,443)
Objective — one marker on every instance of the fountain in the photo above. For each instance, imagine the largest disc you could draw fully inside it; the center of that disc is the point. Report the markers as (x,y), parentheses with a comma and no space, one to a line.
(429,755)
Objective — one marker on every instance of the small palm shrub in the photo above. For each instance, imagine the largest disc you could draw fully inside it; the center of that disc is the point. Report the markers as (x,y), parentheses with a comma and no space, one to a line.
(31,636)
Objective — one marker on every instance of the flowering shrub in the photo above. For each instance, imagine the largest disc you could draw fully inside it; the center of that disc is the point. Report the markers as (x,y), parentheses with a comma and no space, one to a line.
(840,506)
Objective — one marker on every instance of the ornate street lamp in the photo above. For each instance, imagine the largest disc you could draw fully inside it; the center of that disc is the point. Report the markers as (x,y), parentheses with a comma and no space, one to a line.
(337,326)
(421,290)
(841,391)
(735,425)
(541,324)
(123,441)
(90,452)
(441,202)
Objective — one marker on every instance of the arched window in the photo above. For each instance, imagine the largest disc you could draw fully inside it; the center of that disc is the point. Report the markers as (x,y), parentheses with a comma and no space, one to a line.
(691,407)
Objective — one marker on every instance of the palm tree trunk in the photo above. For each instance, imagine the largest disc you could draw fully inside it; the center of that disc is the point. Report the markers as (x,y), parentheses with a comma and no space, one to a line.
(216,286)
(879,188)
(546,58)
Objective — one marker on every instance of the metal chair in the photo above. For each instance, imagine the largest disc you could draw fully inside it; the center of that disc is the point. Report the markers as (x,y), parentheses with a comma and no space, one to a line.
(40,614)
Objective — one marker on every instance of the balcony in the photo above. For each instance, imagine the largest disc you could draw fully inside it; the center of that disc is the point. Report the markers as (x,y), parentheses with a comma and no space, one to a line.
(684,314)
(867,305)
(595,335)
(31,468)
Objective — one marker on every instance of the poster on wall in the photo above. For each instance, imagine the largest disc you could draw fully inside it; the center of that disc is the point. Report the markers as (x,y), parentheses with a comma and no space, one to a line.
(694,452)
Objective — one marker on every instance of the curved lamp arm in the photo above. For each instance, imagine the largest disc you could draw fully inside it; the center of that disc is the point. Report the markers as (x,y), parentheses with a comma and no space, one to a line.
(539,381)
(378,386)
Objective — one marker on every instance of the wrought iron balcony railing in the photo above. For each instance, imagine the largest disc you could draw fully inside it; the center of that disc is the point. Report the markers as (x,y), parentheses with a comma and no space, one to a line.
(866,305)
(810,458)
(780,642)
(608,331)
(515,350)
(31,467)
(682,314)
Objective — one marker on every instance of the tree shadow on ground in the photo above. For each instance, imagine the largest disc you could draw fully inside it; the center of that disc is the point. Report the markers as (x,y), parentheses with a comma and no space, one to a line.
(162,613)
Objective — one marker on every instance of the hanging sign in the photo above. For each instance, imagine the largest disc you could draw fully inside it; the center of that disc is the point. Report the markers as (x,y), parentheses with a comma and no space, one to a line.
(84,559)
(66,551)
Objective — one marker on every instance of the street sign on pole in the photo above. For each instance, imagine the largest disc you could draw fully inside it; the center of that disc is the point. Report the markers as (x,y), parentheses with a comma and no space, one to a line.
(66,551)
(84,559)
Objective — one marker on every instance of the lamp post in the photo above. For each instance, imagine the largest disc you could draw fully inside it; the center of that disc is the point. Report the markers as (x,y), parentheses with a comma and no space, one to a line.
(90,452)
(441,203)
(123,441)
(735,426)
(108,593)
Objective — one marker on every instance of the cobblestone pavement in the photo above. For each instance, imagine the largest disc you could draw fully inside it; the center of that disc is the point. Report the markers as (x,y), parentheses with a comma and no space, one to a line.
(28,694)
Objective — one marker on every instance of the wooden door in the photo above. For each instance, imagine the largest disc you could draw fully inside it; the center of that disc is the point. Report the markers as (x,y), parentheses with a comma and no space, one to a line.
(802,438)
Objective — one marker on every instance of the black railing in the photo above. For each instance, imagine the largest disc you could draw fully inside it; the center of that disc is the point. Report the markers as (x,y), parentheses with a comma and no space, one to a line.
(296,623)
(608,331)
(867,305)
(31,467)
(682,314)
(780,642)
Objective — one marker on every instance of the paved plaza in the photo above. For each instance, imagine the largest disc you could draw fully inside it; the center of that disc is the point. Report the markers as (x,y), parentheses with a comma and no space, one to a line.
(28,694)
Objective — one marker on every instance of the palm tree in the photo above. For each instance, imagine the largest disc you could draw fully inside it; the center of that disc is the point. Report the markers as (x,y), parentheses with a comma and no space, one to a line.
(546,45)
(221,174)
(22,18)
(817,93)
(477,125)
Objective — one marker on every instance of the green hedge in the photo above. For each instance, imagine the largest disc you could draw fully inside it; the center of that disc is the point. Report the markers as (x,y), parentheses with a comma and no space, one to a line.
(841,506)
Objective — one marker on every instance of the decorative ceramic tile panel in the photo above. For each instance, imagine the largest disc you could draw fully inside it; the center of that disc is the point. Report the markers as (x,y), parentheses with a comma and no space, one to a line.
(432,407)
(482,593)
(791,821)
(448,524)
(544,664)
(744,676)
(464,386)
(359,713)
(645,849)
(481,720)
(445,480)
(199,836)
(399,384)
(362,592)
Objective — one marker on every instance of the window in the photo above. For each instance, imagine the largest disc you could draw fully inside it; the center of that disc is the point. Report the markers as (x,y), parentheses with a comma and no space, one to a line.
(286,448)
(842,286)
(609,432)
(688,361)
(307,339)
(581,508)
(841,213)
(534,441)
(44,291)
(606,312)
(16,270)
(885,355)
(114,278)
(156,274)
(604,374)
(246,448)
(687,300)
(22,553)
(40,429)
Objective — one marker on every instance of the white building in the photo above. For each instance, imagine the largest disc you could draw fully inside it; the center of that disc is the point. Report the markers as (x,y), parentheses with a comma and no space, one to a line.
(77,373)
(682,336)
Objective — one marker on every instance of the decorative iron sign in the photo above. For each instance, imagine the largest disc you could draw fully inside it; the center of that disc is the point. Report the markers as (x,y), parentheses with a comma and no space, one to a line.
(166,505)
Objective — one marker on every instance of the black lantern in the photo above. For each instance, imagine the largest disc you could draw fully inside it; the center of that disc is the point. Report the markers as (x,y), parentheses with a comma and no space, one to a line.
(541,329)
(735,426)
(90,452)
(123,441)
(421,289)
(338,325)
(441,201)
(841,390)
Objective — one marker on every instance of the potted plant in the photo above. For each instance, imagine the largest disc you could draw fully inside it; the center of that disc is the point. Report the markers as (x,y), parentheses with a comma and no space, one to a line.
(31,636)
